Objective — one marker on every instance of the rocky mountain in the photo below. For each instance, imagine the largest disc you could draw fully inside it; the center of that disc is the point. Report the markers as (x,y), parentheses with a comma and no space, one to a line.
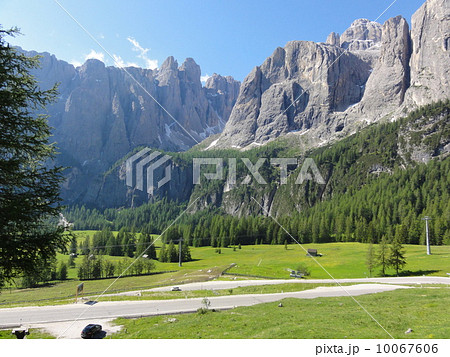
(378,151)
(306,94)
(320,92)
(103,113)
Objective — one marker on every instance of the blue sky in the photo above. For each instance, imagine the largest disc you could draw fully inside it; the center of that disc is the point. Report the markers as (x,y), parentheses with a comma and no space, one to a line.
(227,37)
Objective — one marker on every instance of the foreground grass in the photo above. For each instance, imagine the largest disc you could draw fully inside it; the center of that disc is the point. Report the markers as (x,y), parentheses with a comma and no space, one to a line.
(34,334)
(425,310)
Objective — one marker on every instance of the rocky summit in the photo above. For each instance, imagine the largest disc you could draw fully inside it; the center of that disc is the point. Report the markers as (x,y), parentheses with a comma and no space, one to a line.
(102,113)
(320,92)
(310,93)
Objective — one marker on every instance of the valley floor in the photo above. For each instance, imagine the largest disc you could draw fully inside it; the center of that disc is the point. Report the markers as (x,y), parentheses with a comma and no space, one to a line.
(321,309)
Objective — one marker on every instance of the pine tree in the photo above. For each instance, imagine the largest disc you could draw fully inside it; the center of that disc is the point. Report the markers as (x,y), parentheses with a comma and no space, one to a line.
(73,245)
(146,244)
(109,269)
(110,246)
(163,254)
(86,246)
(128,243)
(397,254)
(383,256)
(187,234)
(172,253)
(29,191)
(62,271)
(118,249)
(185,253)
(84,270)
(97,268)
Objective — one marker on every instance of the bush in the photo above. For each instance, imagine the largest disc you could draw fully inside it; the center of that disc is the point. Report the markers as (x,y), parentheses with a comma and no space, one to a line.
(202,311)
(304,269)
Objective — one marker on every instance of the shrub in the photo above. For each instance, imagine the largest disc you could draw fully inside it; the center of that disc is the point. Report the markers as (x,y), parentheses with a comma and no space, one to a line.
(304,269)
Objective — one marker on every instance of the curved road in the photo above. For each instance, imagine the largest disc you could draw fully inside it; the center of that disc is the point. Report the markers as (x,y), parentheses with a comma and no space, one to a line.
(232,284)
(105,310)
(59,319)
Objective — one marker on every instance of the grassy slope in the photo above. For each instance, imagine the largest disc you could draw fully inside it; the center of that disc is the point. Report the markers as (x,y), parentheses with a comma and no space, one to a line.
(425,310)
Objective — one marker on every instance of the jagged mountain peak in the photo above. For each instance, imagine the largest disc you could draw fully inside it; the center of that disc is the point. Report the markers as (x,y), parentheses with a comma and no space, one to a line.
(170,63)
(102,114)
(361,35)
(323,92)
(191,69)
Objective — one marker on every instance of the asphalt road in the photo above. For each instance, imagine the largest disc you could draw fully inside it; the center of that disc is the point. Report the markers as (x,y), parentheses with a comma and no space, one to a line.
(106,310)
(231,284)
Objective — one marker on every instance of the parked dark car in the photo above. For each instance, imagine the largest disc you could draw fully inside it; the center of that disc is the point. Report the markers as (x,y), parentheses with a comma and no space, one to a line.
(176,288)
(90,330)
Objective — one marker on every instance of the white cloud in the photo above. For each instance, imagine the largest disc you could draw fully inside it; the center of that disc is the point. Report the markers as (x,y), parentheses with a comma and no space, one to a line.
(96,55)
(142,54)
(75,63)
(119,62)
(204,78)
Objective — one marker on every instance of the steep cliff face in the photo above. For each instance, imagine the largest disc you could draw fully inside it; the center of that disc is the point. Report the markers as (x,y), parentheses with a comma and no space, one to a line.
(103,113)
(106,112)
(295,89)
(430,59)
(390,78)
(323,92)
(222,93)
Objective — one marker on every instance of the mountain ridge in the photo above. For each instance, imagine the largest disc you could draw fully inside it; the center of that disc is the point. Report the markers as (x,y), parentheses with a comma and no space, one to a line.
(370,72)
(102,113)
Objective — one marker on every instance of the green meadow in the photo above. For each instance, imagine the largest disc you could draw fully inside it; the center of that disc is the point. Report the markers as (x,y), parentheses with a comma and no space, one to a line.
(341,260)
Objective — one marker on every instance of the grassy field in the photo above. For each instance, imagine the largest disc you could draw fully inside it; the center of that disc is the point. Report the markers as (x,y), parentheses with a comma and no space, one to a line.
(34,334)
(425,310)
(342,260)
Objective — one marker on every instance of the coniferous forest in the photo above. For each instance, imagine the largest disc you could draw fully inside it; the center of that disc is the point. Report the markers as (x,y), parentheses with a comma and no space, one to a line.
(374,189)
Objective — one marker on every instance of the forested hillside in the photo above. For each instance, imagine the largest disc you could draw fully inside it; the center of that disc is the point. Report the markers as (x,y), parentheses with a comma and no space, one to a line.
(379,182)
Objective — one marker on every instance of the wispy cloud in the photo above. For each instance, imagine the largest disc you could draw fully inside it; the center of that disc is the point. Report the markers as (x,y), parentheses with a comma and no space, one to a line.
(142,54)
(204,78)
(118,61)
(96,55)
